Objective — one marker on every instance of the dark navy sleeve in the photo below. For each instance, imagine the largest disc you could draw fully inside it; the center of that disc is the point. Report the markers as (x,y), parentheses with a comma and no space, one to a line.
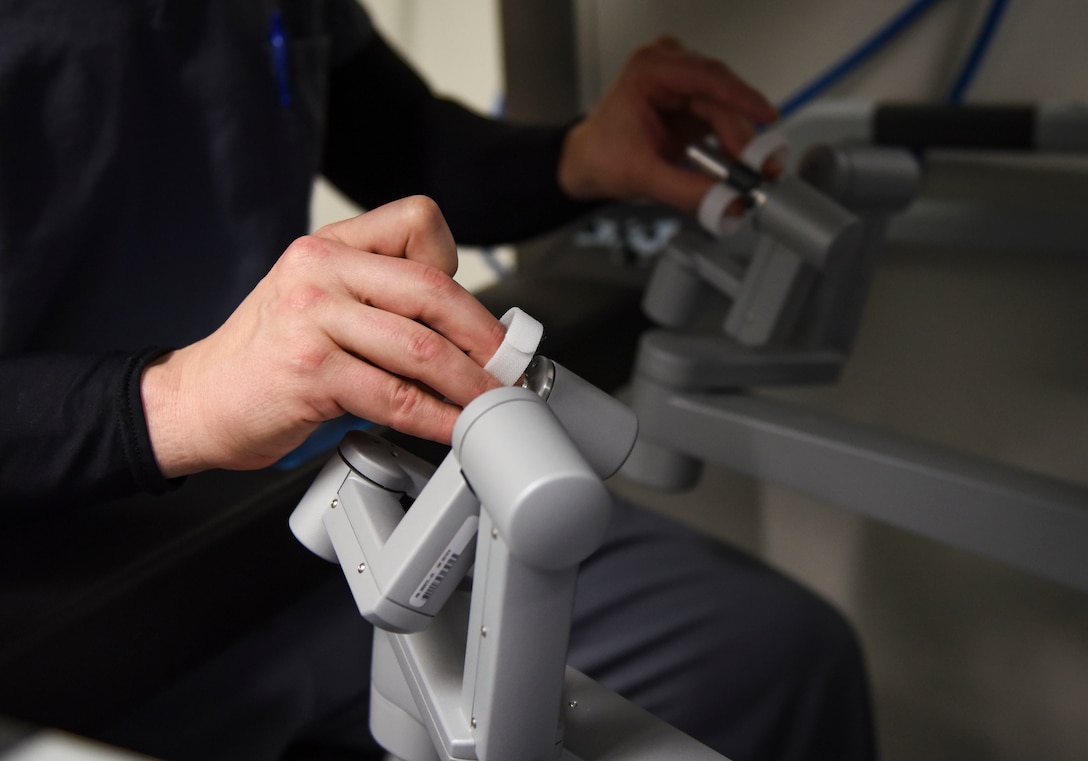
(74,430)
(388,136)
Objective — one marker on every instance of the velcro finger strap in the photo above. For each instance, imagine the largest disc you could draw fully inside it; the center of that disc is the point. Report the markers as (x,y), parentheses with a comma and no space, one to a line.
(767,145)
(712,210)
(523,334)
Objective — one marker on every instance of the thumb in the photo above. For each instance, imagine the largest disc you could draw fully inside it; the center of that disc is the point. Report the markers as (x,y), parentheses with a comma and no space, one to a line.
(677,186)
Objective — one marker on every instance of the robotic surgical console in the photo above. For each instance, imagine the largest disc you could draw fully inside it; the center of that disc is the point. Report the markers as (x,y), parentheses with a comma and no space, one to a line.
(478,670)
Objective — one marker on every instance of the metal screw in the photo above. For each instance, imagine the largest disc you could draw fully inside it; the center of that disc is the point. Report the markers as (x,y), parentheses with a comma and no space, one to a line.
(361,567)
(473,722)
(335,502)
(494,533)
(573,704)
(483,631)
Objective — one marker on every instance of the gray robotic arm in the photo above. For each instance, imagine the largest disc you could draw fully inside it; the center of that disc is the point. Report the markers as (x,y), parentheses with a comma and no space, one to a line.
(403,565)
(482,674)
(795,291)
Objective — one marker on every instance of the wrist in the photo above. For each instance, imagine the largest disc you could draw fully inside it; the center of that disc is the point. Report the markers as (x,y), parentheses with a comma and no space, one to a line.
(171,442)
(575,174)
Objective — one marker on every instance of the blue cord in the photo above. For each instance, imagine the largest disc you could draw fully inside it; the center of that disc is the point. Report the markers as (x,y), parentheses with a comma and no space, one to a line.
(883,36)
(323,440)
(277,37)
(978,51)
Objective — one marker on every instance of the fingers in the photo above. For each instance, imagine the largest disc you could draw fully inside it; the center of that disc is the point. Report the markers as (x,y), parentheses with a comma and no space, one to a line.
(364,317)
(408,339)
(412,228)
(687,83)
(733,131)
(681,187)
(677,71)
(415,291)
(371,393)
(403,343)
(631,144)
(405,348)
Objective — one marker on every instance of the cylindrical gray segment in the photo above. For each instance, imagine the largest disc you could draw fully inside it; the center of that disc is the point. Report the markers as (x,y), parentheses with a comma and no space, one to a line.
(544,498)
(674,293)
(806,221)
(865,179)
(1062,127)
(603,428)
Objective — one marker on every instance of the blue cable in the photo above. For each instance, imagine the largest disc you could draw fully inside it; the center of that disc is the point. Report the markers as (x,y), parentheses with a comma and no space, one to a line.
(882,37)
(323,440)
(978,51)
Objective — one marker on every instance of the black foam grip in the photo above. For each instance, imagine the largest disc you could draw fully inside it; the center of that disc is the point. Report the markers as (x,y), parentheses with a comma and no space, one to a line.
(978,127)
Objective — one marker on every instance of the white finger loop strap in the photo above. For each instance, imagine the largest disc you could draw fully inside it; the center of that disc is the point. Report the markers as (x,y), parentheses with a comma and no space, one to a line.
(712,210)
(523,334)
(765,146)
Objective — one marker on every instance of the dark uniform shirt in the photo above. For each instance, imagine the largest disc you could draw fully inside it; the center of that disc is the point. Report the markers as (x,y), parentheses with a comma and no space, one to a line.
(156,157)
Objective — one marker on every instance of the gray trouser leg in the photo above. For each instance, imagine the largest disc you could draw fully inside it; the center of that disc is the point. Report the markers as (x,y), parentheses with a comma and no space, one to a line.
(720,645)
(702,635)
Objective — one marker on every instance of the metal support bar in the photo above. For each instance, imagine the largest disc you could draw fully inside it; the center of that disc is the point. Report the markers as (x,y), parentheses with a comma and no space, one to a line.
(1026,520)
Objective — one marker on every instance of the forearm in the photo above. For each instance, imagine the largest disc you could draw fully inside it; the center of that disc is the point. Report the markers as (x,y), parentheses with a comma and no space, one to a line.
(74,430)
(389,137)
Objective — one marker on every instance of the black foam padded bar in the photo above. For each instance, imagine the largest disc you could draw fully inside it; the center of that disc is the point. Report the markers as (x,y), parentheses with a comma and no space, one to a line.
(975,126)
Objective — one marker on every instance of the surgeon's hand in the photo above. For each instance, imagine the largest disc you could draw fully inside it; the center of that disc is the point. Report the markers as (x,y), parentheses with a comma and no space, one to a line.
(361,317)
(630,145)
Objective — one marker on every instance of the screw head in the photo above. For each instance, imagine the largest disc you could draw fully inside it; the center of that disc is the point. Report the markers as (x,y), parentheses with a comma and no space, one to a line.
(361,567)
(334,503)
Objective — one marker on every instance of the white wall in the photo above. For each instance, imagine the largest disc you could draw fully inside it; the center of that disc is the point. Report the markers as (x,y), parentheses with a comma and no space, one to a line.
(781,45)
(455,46)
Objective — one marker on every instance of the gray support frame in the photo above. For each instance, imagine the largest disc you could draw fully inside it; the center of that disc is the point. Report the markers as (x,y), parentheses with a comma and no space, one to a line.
(539,61)
(1043,219)
(1026,520)
(486,677)
(598,724)
(685,390)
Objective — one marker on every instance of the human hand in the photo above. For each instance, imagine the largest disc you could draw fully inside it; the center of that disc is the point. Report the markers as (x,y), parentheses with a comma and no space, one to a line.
(363,316)
(666,97)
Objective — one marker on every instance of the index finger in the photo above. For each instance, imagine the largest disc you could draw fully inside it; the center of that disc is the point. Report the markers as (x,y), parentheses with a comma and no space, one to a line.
(419,292)
(695,76)
(410,228)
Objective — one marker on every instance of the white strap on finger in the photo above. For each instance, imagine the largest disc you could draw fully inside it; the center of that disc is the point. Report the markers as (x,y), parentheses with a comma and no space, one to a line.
(523,334)
(712,210)
(765,146)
